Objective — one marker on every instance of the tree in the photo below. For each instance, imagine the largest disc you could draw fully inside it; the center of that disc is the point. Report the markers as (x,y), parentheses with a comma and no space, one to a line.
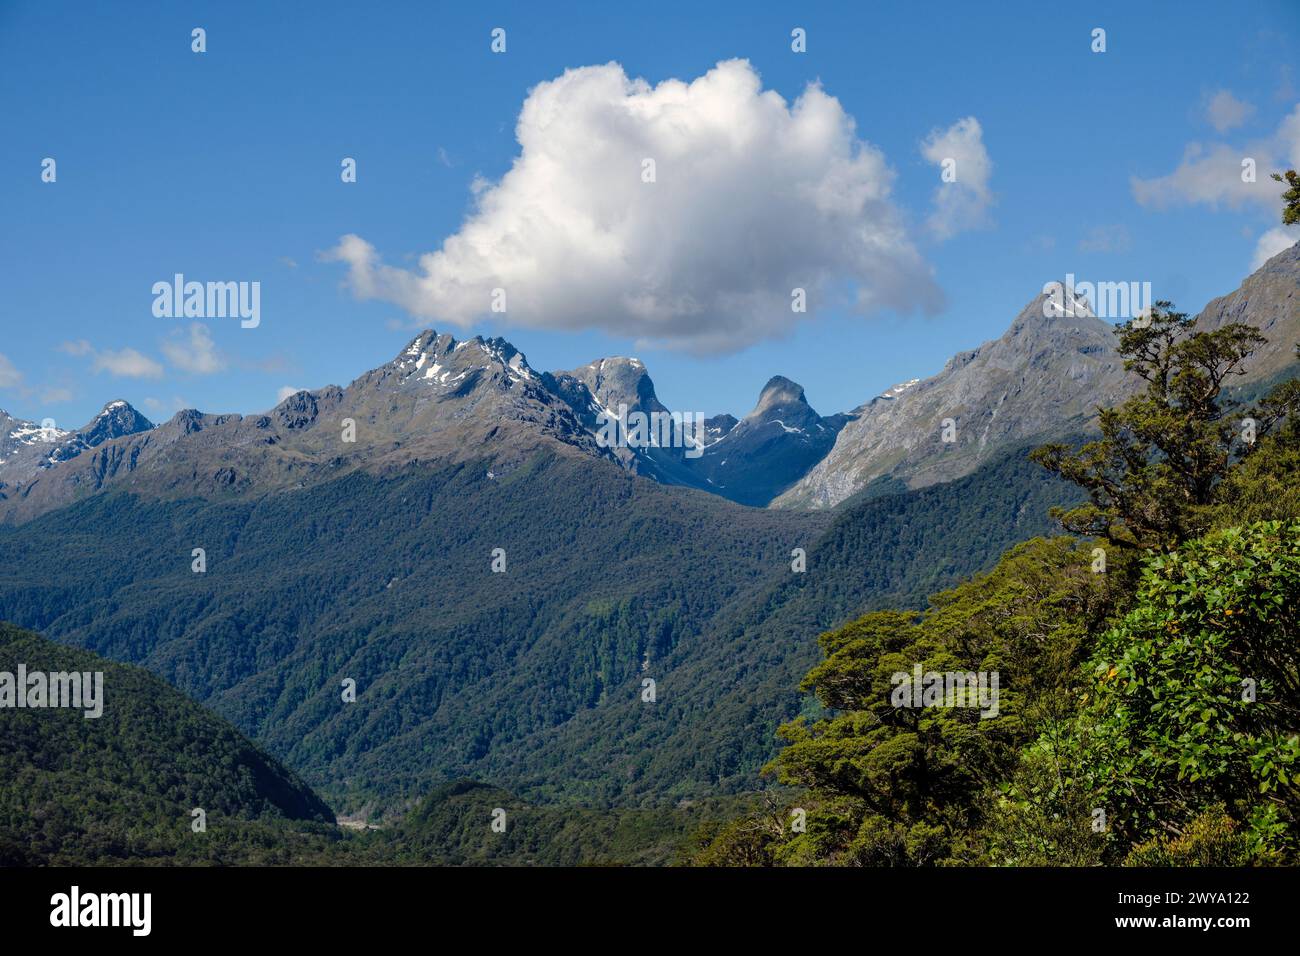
(1263,485)
(1195,695)
(1290,198)
(1153,474)
(902,785)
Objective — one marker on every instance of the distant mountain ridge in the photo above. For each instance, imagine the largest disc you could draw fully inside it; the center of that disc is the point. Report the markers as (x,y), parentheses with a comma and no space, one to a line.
(1045,376)
(440,399)
(445,400)
(28,447)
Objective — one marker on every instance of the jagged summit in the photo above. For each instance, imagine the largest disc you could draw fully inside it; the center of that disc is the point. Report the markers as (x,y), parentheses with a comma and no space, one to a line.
(443,361)
(615,381)
(116,419)
(28,448)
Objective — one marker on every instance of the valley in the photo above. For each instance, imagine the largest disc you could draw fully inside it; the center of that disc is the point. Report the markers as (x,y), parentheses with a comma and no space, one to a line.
(371,561)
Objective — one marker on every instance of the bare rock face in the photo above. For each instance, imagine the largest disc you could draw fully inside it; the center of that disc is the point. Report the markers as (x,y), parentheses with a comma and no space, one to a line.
(1044,374)
(1045,377)
(1269,300)
(617,380)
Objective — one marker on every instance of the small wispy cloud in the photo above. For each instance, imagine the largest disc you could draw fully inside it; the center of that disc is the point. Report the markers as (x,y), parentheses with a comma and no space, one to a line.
(1213,175)
(10,377)
(127,363)
(196,353)
(76,347)
(1225,112)
(963,203)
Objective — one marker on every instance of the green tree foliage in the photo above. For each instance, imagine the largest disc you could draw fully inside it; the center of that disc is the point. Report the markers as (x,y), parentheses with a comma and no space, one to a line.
(1195,696)
(1290,198)
(1212,838)
(1262,486)
(124,785)
(1153,475)
(904,785)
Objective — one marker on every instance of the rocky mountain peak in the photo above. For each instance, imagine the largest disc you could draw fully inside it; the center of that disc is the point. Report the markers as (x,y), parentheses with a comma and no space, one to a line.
(443,363)
(116,419)
(779,392)
(618,380)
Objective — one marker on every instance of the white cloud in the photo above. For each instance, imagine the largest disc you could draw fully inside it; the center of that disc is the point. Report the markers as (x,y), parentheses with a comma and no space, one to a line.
(127,363)
(198,355)
(284,392)
(1212,175)
(962,203)
(1273,242)
(1225,111)
(10,377)
(55,394)
(753,197)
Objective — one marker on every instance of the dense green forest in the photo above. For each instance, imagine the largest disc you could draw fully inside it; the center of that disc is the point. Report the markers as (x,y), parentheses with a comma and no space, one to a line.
(1149,664)
(122,788)
(528,678)
(126,783)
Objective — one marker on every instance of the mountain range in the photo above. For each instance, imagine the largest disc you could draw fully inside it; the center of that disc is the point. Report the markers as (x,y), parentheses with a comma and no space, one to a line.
(443,400)
(352,534)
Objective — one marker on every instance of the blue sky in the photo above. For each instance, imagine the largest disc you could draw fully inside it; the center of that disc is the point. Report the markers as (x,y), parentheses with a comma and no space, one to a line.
(225,166)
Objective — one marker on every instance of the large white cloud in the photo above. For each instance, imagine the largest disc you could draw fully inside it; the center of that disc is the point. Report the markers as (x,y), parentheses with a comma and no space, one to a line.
(753,197)
(963,202)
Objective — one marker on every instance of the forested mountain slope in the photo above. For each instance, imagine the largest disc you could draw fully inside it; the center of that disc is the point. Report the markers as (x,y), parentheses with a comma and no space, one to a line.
(530,677)
(126,783)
